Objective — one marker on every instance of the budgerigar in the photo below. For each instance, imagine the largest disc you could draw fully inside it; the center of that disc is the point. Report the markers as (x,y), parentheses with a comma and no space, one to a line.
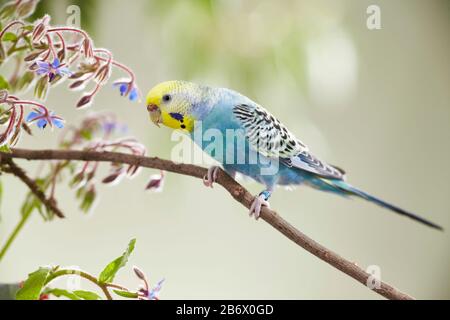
(188,106)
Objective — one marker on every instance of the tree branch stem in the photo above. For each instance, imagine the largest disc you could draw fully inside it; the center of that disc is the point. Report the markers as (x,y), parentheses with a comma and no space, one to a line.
(237,191)
(34,188)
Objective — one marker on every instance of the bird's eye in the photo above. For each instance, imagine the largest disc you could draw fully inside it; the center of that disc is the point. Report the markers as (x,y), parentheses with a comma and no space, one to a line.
(166,97)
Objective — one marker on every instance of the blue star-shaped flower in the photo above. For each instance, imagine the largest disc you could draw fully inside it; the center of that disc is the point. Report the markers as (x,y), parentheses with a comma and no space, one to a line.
(43,119)
(52,69)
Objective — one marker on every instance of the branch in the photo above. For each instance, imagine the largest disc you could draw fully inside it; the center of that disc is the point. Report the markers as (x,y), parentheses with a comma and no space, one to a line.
(34,188)
(238,192)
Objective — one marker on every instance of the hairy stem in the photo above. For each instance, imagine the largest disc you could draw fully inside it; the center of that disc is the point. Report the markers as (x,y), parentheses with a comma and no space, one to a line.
(85,275)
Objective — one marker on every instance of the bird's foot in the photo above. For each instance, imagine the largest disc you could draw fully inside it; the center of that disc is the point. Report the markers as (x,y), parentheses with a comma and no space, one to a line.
(211,176)
(258,203)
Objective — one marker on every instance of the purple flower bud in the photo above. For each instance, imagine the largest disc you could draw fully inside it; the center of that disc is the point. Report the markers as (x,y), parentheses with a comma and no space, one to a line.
(112,177)
(139,273)
(87,48)
(77,84)
(39,32)
(156,183)
(84,101)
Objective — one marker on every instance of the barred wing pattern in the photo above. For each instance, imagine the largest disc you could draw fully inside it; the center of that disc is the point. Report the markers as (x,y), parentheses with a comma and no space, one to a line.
(271,138)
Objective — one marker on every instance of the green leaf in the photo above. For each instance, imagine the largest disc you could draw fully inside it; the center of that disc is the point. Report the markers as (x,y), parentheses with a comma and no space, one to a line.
(28,27)
(2,53)
(4,84)
(33,286)
(9,36)
(111,269)
(8,10)
(87,295)
(41,88)
(62,293)
(86,134)
(126,294)
(4,115)
(88,200)
(32,202)
(5,148)
(25,80)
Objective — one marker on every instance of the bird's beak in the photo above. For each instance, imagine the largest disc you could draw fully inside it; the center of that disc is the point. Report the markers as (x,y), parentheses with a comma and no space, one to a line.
(155,114)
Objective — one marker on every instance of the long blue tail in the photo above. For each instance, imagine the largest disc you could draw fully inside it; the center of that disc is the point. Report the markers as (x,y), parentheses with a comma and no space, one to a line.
(342,185)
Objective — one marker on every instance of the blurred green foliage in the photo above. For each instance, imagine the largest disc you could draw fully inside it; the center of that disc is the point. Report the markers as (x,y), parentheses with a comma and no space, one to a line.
(89,12)
(212,37)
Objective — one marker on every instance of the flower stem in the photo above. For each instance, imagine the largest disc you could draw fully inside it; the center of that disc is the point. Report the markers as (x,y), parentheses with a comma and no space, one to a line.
(10,25)
(14,234)
(69,29)
(85,275)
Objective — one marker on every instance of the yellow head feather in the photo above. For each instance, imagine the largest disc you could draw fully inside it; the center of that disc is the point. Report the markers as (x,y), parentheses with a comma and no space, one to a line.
(172,106)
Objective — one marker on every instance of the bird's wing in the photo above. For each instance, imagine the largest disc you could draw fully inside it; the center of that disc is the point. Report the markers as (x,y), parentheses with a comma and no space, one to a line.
(268,136)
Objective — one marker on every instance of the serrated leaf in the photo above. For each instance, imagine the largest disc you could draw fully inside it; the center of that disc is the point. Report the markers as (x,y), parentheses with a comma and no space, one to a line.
(126,294)
(108,274)
(62,293)
(33,286)
(87,295)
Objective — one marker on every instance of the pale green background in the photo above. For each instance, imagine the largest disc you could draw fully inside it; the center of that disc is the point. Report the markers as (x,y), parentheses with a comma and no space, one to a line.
(374,102)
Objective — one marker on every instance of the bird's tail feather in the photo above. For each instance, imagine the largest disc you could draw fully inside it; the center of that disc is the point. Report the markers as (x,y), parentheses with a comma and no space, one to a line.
(342,185)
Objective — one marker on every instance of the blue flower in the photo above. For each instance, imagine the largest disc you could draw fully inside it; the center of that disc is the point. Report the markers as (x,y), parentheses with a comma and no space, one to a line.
(127,88)
(144,292)
(134,95)
(123,89)
(43,118)
(52,69)
(153,293)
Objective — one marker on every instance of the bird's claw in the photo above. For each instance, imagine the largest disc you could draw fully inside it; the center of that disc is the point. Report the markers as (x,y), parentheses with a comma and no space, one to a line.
(211,176)
(257,204)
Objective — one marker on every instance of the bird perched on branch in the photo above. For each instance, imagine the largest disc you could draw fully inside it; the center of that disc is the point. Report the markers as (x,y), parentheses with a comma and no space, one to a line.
(253,142)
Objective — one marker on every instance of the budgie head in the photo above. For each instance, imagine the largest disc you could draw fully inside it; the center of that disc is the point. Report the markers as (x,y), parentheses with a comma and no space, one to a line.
(176,104)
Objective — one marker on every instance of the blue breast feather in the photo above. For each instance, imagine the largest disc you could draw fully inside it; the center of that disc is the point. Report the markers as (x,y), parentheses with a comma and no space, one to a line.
(222,118)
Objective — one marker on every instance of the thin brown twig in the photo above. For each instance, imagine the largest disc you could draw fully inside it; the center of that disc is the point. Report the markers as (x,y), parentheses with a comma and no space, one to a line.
(34,188)
(238,192)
